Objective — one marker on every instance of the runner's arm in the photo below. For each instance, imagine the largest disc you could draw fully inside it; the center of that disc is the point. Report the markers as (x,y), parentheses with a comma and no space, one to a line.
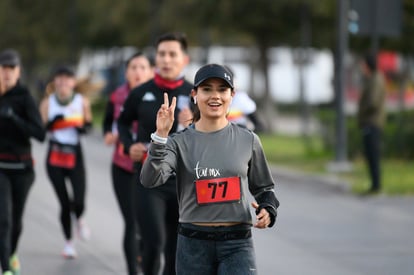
(32,125)
(127,117)
(261,183)
(159,165)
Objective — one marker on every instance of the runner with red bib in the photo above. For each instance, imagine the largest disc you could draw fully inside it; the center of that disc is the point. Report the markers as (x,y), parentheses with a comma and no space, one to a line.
(217,163)
(67,115)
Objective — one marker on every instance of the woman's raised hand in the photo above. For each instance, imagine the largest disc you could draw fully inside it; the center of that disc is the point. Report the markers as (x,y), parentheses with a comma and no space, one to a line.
(165,116)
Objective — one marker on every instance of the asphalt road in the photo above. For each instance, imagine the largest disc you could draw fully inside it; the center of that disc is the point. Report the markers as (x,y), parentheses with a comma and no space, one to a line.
(320,229)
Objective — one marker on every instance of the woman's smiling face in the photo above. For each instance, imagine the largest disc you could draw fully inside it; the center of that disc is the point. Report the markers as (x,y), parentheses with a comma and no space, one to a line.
(213,98)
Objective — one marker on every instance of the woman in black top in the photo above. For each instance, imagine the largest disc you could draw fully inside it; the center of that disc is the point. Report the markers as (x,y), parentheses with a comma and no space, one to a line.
(19,121)
(139,69)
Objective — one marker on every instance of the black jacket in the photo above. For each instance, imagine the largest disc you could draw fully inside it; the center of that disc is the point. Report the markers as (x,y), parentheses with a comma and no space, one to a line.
(19,120)
(142,105)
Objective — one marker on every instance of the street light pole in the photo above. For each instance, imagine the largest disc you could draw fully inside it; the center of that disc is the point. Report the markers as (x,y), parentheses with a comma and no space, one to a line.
(341,164)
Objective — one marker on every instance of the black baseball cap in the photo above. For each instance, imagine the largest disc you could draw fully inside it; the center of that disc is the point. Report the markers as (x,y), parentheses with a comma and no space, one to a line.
(213,71)
(9,57)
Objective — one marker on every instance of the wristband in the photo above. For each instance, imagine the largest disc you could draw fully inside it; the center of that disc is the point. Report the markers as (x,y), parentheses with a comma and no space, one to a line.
(156,138)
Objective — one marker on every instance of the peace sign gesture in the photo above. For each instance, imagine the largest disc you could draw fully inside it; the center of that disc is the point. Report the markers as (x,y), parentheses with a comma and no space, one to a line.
(165,116)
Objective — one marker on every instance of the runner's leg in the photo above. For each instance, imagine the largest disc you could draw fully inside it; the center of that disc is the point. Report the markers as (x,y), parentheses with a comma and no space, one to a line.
(125,191)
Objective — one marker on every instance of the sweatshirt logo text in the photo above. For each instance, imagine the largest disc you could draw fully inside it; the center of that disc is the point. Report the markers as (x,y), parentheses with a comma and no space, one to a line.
(206,172)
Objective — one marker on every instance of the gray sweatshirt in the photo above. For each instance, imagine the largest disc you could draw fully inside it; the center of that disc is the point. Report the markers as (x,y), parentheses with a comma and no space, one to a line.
(214,173)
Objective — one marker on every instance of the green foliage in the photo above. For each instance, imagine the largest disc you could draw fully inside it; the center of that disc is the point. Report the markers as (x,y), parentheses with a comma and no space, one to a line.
(291,152)
(98,111)
(57,29)
(396,177)
(398,134)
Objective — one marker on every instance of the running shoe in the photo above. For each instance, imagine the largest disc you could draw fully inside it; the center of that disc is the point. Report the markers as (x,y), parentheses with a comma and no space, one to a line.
(8,273)
(84,232)
(14,264)
(69,251)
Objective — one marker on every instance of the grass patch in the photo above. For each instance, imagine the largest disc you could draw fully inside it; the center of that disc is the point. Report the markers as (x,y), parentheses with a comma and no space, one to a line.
(296,152)
(397,177)
(310,156)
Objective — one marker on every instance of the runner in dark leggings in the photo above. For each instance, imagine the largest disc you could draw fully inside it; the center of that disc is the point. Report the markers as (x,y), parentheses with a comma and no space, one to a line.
(19,121)
(76,177)
(67,115)
(138,70)
(157,208)
(14,188)
(158,215)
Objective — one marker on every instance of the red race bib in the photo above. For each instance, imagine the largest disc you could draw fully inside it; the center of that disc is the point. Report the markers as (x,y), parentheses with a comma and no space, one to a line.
(218,190)
(61,156)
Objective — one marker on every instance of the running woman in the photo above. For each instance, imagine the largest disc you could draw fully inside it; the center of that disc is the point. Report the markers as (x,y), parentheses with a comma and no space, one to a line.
(157,208)
(19,121)
(67,115)
(216,164)
(139,69)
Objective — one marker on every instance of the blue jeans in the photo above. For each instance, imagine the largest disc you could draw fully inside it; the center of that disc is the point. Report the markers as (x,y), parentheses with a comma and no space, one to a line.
(210,257)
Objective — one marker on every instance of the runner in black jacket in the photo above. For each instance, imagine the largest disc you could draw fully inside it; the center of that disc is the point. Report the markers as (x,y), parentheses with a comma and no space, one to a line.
(19,121)
(157,208)
(139,69)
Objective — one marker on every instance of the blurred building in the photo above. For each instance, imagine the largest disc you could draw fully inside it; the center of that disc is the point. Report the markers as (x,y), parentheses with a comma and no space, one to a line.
(107,65)
(318,72)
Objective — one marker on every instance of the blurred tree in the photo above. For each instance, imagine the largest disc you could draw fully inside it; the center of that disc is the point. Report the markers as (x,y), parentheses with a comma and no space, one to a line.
(56,29)
(262,24)
(48,28)
(106,23)
(46,31)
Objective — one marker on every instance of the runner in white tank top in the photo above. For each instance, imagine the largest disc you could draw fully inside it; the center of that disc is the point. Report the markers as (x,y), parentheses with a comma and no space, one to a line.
(67,115)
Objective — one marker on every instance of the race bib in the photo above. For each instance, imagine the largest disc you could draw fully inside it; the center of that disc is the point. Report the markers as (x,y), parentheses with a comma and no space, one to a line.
(62,156)
(218,190)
